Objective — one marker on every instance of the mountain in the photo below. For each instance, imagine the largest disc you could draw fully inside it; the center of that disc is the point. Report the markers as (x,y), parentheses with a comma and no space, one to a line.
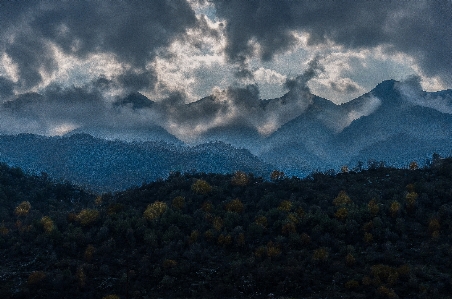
(397,116)
(301,145)
(395,122)
(388,123)
(130,134)
(103,165)
(135,101)
(129,128)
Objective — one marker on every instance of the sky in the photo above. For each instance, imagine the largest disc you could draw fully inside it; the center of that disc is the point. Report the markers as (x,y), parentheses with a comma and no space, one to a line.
(63,64)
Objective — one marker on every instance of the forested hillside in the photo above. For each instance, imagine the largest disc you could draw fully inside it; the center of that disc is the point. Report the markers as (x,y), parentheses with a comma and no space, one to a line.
(375,233)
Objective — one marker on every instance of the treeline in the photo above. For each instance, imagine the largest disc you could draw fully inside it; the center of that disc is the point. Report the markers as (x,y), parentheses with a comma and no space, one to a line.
(381,233)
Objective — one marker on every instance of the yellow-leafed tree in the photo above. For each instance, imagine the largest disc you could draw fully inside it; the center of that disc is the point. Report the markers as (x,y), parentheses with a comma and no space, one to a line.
(154,210)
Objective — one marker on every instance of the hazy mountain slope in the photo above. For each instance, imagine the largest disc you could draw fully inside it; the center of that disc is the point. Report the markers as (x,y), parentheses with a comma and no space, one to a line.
(395,122)
(113,165)
(393,117)
(301,145)
(328,135)
(401,149)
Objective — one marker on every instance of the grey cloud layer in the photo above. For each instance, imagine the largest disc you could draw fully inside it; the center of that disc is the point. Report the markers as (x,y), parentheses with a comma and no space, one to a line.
(418,28)
(131,30)
(134,32)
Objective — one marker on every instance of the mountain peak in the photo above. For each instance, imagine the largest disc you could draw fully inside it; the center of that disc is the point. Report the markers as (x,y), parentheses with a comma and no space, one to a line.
(135,100)
(387,92)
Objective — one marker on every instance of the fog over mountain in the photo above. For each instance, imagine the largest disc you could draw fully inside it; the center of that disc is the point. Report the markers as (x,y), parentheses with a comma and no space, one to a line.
(298,133)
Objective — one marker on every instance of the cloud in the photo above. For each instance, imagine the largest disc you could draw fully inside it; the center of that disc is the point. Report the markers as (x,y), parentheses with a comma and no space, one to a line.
(412,92)
(240,106)
(132,31)
(419,29)
(344,85)
(268,76)
(57,110)
(298,87)
(6,88)
(32,57)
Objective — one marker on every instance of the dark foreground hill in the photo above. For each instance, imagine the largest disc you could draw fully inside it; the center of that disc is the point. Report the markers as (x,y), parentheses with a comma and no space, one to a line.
(378,233)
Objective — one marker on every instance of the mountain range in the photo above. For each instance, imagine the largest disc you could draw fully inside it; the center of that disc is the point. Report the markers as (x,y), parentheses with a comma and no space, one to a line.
(395,122)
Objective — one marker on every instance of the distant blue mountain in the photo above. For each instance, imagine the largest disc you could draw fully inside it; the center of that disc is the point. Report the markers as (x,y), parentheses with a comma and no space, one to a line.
(103,165)
(395,122)
(383,124)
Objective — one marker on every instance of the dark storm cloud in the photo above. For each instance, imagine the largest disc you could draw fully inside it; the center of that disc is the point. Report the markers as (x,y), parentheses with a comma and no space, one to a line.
(31,55)
(6,88)
(131,30)
(418,28)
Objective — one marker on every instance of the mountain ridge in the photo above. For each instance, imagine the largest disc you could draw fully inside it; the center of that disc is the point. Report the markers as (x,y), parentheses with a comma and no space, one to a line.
(394,122)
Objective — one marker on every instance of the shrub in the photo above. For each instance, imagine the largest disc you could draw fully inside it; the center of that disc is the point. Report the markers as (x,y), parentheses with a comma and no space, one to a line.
(209,235)
(23,208)
(413,165)
(305,239)
(224,240)
(201,187)
(342,199)
(273,250)
(277,175)
(169,263)
(98,200)
(373,207)
(368,226)
(394,209)
(81,277)
(411,198)
(207,206)
(288,228)
(341,213)
(3,230)
(154,210)
(240,179)
(385,273)
(285,205)
(368,237)
(387,292)
(178,202)
(240,240)
(300,212)
(47,224)
(320,255)
(114,208)
(260,252)
(87,216)
(234,206)
(293,217)
(261,220)
(404,270)
(217,223)
(351,284)
(194,235)
(36,277)
(89,252)
(350,259)
(434,225)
